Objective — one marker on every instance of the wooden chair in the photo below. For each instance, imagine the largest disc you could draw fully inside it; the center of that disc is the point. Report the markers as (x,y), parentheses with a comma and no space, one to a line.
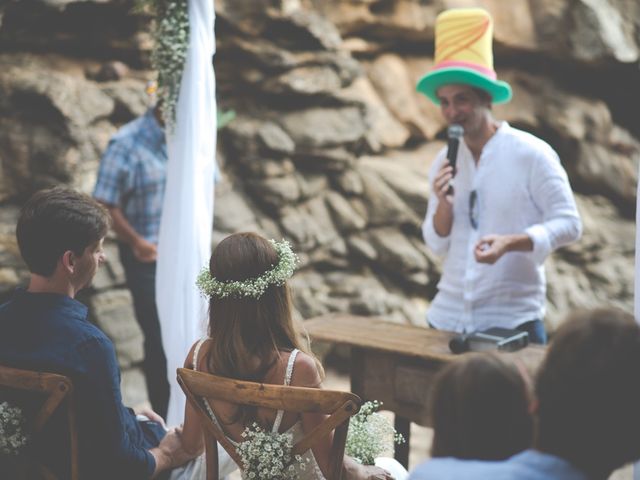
(57,392)
(340,406)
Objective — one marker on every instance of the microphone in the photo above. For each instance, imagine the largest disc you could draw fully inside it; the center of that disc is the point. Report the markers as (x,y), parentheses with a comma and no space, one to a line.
(454,132)
(459,343)
(495,338)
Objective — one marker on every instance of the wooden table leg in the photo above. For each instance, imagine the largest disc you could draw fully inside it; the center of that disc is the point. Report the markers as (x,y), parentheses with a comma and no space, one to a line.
(357,372)
(403,427)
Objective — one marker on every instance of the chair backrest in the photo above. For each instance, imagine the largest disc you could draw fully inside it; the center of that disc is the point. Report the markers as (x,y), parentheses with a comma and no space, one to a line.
(340,406)
(57,391)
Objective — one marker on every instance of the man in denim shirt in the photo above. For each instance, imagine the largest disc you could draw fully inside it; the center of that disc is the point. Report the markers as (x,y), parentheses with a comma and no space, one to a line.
(60,234)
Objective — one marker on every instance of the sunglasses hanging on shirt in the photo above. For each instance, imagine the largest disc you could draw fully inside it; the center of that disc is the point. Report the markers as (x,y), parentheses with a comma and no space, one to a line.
(474,209)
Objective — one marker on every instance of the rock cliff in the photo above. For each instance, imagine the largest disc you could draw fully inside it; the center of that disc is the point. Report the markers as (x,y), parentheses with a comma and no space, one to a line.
(331,145)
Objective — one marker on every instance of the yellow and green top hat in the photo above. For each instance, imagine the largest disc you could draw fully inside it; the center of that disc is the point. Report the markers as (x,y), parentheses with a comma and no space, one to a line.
(463,55)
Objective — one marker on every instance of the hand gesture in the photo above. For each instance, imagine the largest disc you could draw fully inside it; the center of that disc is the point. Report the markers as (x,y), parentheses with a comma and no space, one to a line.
(370,472)
(151,415)
(490,248)
(356,471)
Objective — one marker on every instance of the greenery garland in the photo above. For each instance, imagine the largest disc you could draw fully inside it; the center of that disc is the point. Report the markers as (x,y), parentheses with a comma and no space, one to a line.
(171,42)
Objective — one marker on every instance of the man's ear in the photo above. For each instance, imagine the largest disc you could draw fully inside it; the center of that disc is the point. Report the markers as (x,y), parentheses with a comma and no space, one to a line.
(68,261)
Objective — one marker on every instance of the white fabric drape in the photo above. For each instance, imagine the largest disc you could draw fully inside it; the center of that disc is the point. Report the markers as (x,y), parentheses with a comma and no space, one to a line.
(636,296)
(184,244)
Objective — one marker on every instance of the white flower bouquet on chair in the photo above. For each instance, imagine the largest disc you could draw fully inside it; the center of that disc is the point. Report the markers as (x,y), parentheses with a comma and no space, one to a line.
(268,455)
(370,434)
(12,437)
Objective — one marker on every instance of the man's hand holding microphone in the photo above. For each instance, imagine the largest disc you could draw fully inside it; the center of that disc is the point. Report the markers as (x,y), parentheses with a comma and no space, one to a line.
(443,183)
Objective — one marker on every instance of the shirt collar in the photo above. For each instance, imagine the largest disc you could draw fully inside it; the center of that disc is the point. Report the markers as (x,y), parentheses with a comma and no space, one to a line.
(47,299)
(155,131)
(535,458)
(504,127)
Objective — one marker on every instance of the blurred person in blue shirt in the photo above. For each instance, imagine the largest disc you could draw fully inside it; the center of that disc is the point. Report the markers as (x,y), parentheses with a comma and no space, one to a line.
(131,184)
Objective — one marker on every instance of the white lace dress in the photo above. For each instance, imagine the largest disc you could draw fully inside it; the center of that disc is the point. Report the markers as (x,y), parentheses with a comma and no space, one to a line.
(196,469)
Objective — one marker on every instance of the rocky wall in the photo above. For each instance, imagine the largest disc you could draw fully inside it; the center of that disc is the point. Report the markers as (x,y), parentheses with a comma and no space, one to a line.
(331,144)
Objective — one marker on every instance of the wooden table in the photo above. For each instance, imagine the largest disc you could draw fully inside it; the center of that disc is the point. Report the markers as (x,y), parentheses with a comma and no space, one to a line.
(395,364)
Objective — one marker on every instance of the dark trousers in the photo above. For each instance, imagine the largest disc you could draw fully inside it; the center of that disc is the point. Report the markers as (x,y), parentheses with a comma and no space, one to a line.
(536,331)
(141,280)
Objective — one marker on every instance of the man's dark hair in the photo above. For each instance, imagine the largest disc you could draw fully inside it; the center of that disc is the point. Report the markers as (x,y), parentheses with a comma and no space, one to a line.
(54,221)
(589,392)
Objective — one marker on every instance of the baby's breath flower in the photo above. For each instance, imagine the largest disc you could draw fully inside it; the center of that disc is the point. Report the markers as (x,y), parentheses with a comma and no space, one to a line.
(252,287)
(12,437)
(268,455)
(370,434)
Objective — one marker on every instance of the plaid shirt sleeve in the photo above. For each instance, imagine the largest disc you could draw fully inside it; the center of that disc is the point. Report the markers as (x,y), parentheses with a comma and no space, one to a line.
(115,177)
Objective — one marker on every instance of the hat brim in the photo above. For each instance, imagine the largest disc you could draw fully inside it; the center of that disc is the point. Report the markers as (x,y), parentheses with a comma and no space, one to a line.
(428,85)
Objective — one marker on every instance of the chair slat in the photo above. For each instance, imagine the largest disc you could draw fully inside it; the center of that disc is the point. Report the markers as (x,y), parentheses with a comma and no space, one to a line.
(30,380)
(210,427)
(296,399)
(326,427)
(53,401)
(211,449)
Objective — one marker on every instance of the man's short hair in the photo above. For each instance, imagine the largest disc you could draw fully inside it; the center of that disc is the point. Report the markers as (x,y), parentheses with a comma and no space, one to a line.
(54,221)
(589,392)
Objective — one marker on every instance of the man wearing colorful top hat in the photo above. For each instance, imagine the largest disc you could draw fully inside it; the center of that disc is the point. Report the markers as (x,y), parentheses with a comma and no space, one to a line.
(508,204)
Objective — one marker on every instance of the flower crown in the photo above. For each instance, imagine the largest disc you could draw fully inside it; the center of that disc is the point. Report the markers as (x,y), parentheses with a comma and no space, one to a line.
(251,287)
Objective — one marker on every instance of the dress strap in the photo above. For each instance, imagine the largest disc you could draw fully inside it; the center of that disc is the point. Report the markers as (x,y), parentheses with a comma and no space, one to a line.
(287,382)
(292,360)
(197,351)
(213,417)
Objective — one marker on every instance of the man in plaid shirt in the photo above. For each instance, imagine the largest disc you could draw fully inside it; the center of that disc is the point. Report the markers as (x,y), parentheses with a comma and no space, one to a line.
(131,183)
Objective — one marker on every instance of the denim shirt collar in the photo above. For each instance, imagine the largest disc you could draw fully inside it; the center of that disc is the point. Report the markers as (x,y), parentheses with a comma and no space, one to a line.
(49,299)
(534,459)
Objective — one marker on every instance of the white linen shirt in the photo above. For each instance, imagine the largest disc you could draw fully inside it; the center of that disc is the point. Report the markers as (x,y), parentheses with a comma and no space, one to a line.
(521,187)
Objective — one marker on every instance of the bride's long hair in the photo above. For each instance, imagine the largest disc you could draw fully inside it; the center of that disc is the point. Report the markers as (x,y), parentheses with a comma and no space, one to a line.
(247,329)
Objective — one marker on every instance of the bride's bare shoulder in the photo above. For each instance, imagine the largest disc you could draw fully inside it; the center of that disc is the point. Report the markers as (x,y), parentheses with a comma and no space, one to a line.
(305,371)
(188,362)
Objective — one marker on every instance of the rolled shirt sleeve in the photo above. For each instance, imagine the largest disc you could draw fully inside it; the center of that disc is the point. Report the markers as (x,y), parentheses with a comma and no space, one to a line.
(552,195)
(124,451)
